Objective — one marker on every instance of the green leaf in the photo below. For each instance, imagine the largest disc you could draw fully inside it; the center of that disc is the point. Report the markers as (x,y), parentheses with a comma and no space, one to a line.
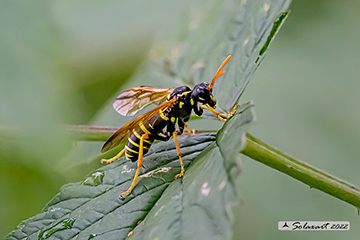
(199,206)
(69,51)
(214,30)
(168,207)
(94,203)
(208,32)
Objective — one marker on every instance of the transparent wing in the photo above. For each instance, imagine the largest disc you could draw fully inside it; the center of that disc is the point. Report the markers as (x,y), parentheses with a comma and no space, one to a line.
(125,130)
(133,100)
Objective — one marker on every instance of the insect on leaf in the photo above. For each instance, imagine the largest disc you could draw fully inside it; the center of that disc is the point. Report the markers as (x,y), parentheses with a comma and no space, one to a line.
(201,200)
(191,53)
(198,206)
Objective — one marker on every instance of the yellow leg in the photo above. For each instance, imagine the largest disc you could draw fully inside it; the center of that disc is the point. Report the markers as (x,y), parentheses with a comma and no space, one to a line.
(179,154)
(113,158)
(235,107)
(193,132)
(220,116)
(140,163)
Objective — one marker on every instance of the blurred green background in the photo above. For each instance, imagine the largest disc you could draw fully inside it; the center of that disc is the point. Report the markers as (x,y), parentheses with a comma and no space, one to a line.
(63,62)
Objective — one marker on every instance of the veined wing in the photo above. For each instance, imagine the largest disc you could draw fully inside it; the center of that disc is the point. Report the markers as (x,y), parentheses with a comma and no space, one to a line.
(127,129)
(133,100)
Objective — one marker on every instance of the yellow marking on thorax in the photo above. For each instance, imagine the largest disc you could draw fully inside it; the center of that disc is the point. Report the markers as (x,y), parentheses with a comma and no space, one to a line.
(172,119)
(131,150)
(163,116)
(181,104)
(192,101)
(184,93)
(202,99)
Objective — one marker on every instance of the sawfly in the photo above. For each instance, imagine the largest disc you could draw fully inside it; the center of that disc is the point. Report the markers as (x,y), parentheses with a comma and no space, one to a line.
(174,107)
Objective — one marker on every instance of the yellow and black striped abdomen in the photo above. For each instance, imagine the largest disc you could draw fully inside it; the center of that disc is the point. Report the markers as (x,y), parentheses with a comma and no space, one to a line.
(152,126)
(133,144)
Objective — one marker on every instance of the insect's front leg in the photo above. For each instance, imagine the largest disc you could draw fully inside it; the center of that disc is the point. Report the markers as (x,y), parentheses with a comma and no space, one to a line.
(226,115)
(221,116)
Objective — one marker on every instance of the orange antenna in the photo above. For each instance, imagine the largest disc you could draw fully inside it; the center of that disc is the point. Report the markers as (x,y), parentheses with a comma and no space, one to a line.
(219,73)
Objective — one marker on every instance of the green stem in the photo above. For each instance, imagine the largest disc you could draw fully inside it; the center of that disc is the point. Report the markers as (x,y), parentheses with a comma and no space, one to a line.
(315,178)
(260,152)
(89,133)
(94,133)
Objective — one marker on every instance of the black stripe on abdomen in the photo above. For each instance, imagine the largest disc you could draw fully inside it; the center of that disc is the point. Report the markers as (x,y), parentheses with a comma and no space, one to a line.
(132,146)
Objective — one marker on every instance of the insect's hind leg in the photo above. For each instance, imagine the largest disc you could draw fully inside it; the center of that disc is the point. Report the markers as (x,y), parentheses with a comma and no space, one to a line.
(113,158)
(140,163)
(179,154)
